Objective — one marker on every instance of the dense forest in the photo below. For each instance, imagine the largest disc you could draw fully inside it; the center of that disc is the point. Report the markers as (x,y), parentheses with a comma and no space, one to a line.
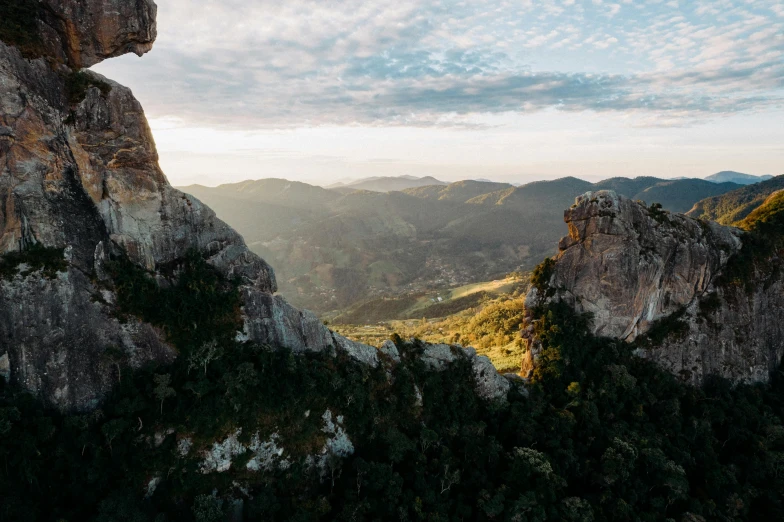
(597,434)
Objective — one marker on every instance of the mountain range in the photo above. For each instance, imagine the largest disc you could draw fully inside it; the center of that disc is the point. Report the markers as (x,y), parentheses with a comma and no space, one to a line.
(385,184)
(732,207)
(149,371)
(737,177)
(331,250)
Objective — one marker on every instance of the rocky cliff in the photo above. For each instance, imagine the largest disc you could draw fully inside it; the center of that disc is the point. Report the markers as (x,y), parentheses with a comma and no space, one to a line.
(654,278)
(80,185)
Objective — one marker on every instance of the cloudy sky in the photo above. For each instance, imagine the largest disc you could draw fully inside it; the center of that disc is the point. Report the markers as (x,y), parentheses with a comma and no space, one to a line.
(508,90)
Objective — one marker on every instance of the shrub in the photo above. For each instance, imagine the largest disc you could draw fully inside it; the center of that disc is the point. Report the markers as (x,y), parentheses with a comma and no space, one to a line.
(19,26)
(78,82)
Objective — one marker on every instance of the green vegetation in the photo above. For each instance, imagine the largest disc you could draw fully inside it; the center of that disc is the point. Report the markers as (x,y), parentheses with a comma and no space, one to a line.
(377,310)
(333,251)
(492,328)
(430,305)
(540,278)
(19,26)
(78,82)
(453,306)
(658,214)
(671,327)
(758,261)
(201,307)
(49,261)
(733,207)
(602,436)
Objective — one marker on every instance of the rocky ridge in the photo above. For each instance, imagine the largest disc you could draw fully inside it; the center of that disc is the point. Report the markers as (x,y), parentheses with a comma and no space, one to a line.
(635,268)
(79,173)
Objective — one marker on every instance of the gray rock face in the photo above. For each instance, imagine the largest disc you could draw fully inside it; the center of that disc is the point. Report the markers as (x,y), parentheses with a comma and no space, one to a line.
(488,383)
(81,173)
(82,33)
(63,342)
(630,266)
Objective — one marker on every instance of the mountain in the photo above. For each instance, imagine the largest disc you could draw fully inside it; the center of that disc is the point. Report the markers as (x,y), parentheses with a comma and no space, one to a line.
(636,268)
(737,177)
(386,184)
(332,251)
(460,191)
(149,372)
(734,206)
(97,251)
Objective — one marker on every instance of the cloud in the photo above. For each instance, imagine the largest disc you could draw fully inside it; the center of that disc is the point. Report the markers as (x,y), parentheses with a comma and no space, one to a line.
(307,62)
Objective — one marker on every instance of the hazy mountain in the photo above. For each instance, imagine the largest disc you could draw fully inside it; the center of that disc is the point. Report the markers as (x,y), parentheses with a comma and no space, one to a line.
(386,184)
(734,206)
(333,250)
(460,191)
(543,196)
(266,208)
(737,177)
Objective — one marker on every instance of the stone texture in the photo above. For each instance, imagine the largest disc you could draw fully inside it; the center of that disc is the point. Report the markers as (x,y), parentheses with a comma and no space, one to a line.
(83,175)
(389,349)
(85,32)
(271,321)
(488,383)
(629,266)
(57,333)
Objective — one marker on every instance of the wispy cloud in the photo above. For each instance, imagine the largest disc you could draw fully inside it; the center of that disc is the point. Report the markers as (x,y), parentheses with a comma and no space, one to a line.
(308,62)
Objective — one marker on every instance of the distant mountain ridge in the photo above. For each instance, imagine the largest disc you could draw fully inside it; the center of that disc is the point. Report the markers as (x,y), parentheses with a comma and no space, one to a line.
(737,177)
(331,251)
(675,195)
(734,206)
(386,184)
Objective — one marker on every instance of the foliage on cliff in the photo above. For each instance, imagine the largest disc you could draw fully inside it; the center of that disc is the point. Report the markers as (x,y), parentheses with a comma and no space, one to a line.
(733,207)
(603,435)
(19,26)
(760,259)
(49,261)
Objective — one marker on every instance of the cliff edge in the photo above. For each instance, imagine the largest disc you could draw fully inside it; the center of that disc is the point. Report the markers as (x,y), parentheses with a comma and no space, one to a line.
(654,278)
(80,186)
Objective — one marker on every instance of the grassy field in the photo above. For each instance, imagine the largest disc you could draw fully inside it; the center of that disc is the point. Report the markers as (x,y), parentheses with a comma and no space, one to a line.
(429,305)
(491,323)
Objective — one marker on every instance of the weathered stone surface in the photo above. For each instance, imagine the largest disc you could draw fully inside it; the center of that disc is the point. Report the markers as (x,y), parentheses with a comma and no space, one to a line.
(270,320)
(389,349)
(488,383)
(629,269)
(57,333)
(439,356)
(630,266)
(79,171)
(85,32)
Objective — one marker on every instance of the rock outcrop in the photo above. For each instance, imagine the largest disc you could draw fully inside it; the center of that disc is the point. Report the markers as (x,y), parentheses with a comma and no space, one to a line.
(79,172)
(631,266)
(82,33)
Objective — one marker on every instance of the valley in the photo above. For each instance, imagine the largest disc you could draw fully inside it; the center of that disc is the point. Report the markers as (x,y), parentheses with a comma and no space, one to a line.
(470,351)
(335,249)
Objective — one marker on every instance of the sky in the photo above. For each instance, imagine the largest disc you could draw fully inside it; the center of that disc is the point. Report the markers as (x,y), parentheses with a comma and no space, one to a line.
(515,91)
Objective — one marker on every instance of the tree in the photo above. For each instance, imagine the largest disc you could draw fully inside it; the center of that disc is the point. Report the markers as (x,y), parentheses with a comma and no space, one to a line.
(207,508)
(162,389)
(113,429)
(116,357)
(204,355)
